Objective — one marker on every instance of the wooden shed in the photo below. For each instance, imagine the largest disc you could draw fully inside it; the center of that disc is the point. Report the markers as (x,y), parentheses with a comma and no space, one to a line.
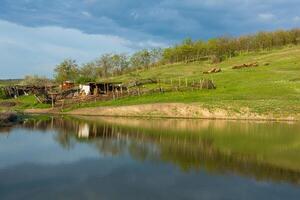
(98,88)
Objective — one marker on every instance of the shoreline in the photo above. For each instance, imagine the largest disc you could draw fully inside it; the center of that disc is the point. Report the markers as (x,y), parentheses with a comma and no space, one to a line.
(166,110)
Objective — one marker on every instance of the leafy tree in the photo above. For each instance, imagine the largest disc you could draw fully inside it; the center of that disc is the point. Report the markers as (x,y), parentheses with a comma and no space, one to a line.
(66,70)
(155,56)
(119,62)
(140,59)
(105,62)
(88,73)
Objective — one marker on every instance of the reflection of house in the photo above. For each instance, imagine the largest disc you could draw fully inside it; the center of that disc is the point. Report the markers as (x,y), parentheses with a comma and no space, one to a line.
(84,131)
(101,88)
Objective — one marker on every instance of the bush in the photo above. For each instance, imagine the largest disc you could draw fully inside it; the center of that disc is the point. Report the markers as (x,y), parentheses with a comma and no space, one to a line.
(2,94)
(36,81)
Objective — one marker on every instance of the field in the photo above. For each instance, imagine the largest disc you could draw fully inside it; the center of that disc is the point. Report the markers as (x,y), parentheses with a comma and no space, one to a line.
(272,88)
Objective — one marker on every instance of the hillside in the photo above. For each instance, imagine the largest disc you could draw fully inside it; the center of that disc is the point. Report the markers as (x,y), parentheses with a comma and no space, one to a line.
(267,89)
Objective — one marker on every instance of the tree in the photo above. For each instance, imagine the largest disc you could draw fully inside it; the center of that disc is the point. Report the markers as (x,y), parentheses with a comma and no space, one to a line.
(156,55)
(140,59)
(119,63)
(66,70)
(36,80)
(105,62)
(88,73)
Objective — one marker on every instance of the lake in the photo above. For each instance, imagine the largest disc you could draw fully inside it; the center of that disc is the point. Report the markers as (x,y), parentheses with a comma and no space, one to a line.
(50,157)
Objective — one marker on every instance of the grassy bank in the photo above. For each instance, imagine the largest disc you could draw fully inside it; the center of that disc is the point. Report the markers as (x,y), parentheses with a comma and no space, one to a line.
(21,103)
(272,88)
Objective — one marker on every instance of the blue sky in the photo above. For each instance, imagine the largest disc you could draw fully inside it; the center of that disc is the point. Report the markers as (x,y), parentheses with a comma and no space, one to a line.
(35,35)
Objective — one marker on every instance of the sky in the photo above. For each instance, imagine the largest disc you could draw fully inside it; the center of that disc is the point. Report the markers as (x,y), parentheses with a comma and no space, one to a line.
(36,35)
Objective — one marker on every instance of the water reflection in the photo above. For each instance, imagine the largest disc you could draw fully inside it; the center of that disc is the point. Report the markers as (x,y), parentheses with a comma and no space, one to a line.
(264,151)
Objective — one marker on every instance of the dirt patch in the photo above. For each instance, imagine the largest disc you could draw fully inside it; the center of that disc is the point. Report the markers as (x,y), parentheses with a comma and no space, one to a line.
(173,110)
(42,111)
(168,110)
(7,104)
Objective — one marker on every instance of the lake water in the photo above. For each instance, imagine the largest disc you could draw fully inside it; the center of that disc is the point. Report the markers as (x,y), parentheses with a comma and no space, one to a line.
(116,158)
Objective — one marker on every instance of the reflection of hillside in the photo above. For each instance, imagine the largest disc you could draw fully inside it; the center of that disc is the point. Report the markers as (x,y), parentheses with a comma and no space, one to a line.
(162,124)
(153,142)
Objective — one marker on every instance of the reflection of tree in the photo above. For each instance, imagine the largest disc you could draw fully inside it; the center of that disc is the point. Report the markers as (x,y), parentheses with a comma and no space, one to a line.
(64,139)
(139,151)
(110,146)
(188,151)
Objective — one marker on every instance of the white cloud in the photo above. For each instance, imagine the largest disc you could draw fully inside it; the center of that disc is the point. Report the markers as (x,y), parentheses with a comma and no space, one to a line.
(134,15)
(296,19)
(27,50)
(86,14)
(266,17)
(90,1)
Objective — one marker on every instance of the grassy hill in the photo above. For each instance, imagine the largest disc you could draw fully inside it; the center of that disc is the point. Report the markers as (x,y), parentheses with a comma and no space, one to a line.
(265,89)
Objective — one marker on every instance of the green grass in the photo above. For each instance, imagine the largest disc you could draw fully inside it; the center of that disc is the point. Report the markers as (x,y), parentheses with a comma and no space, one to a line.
(24,102)
(266,89)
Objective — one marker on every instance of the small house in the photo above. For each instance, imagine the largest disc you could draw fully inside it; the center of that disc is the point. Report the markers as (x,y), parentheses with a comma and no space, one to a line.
(66,85)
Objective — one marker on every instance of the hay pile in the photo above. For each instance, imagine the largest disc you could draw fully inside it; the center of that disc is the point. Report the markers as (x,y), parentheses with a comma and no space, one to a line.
(246,65)
(213,70)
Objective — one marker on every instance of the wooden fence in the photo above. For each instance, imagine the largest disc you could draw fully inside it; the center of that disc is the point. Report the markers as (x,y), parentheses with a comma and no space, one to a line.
(159,86)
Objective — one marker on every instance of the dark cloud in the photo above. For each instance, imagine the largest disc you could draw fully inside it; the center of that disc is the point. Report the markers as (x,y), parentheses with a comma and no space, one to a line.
(160,19)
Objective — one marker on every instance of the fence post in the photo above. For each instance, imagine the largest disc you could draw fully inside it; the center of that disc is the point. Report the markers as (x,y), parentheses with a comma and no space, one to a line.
(52,101)
(193,85)
(62,105)
(200,85)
